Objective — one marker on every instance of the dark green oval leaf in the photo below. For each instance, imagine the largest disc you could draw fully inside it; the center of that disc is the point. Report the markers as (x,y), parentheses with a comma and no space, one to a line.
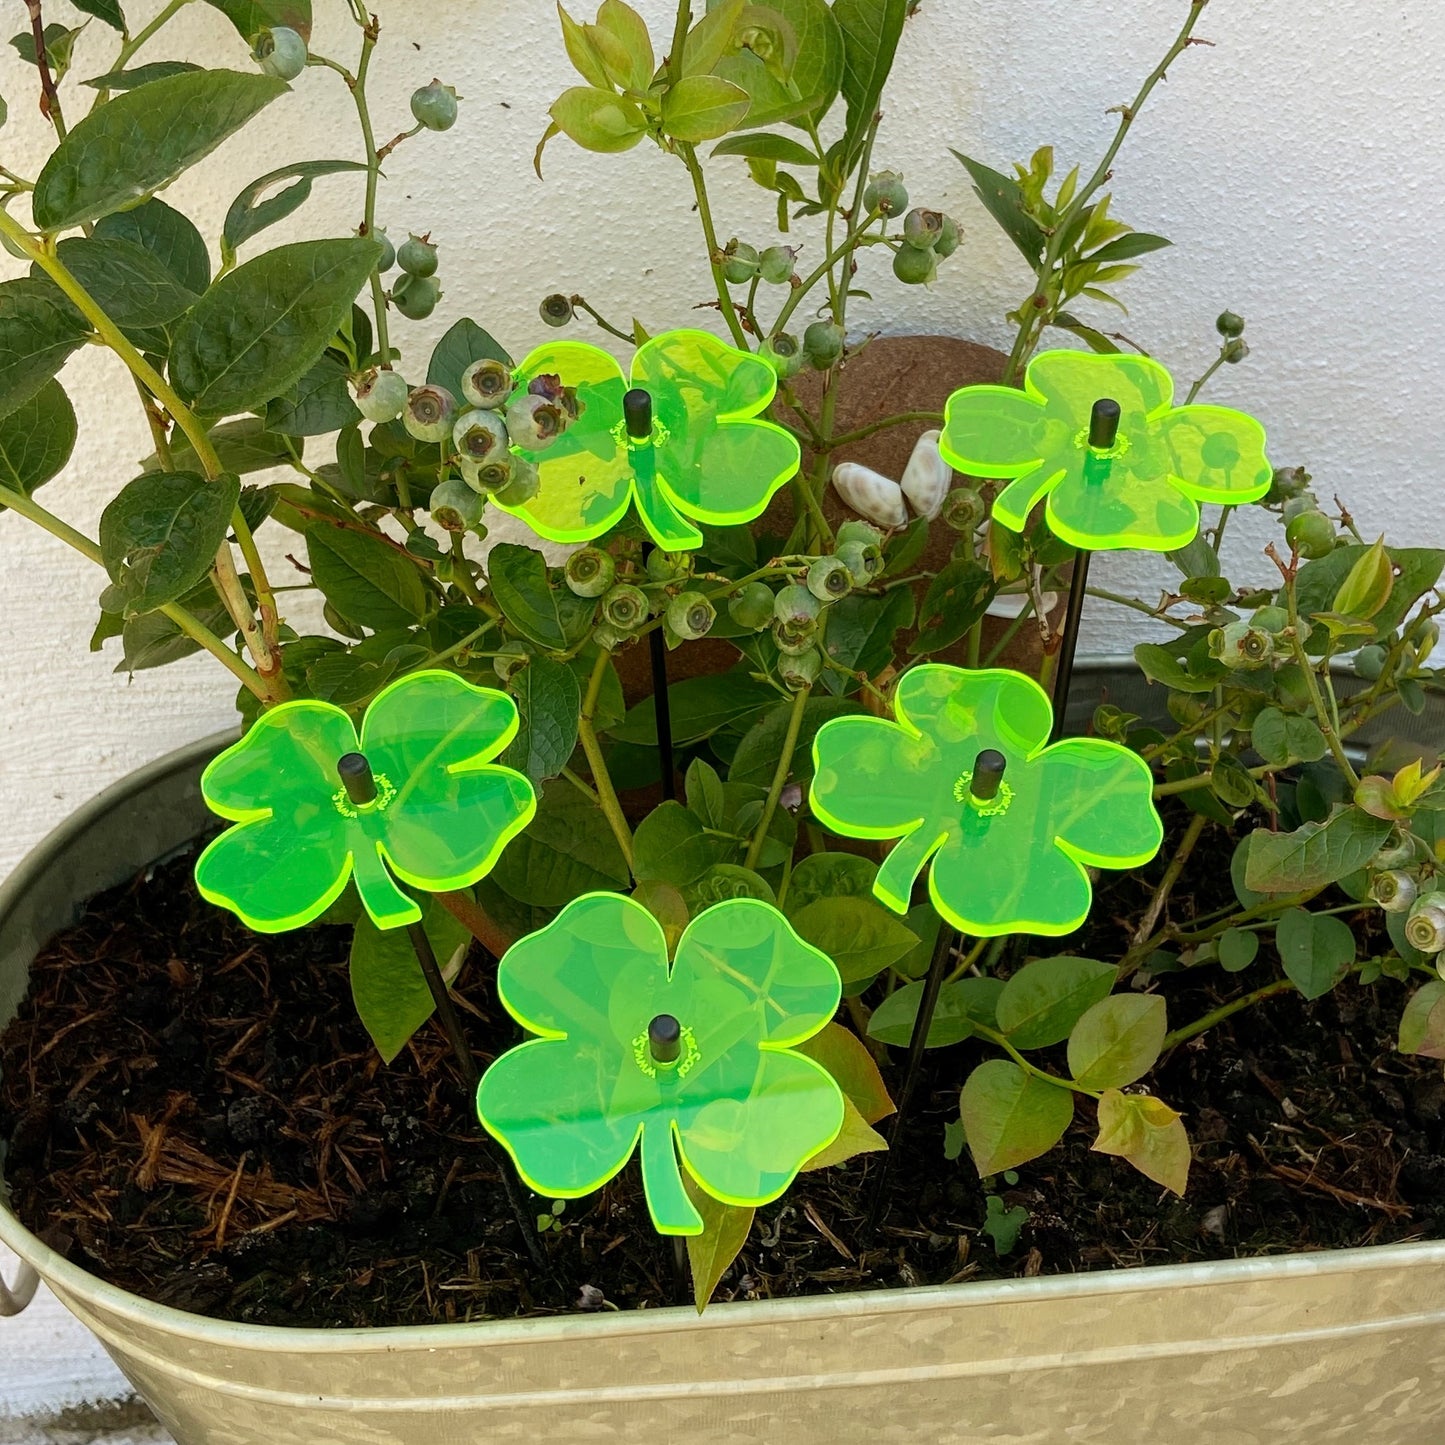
(36,439)
(548,701)
(249,214)
(367,579)
(38,330)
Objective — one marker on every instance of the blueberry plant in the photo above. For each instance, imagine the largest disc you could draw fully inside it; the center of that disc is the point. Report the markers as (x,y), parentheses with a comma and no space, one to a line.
(281,392)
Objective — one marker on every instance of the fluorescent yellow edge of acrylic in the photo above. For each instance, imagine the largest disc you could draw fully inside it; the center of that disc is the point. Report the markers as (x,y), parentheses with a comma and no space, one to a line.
(965,464)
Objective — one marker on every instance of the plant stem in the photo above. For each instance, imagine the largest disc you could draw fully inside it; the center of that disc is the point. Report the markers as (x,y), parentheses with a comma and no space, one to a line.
(1171,877)
(780,777)
(601,779)
(1200,1025)
(49,97)
(1312,685)
(823,269)
(1203,380)
(147,31)
(994,1037)
(902,419)
(476,920)
(714,252)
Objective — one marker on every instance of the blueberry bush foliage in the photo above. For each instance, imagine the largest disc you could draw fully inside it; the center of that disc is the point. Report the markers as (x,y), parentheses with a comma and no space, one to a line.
(282,392)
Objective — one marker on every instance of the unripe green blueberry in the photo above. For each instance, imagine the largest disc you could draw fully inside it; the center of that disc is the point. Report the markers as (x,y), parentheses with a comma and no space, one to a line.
(690,615)
(668,566)
(435,106)
(829,579)
(556,309)
(914,267)
(1423,633)
(511,658)
(388,251)
(1286,483)
(948,238)
(1425,927)
(535,422)
(417,256)
(1298,505)
(792,640)
(1394,891)
(524,485)
(487,383)
(480,436)
(416,297)
(455,506)
(740,262)
(590,571)
(783,353)
(1370,662)
(625,607)
(963,509)
(863,559)
(796,606)
(429,413)
(856,530)
(800,669)
(1235,350)
(923,228)
(885,193)
(280,51)
(1271,618)
(1397,850)
(752,607)
(1228,325)
(380,395)
(775,265)
(1311,534)
(1240,646)
(490,476)
(823,343)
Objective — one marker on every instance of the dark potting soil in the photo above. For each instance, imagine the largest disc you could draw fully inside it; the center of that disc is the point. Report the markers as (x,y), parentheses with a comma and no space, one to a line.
(195,1114)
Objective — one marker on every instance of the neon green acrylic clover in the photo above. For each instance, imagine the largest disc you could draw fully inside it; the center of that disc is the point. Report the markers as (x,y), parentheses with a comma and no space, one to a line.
(694,1059)
(1014,863)
(710,458)
(1143,491)
(442,812)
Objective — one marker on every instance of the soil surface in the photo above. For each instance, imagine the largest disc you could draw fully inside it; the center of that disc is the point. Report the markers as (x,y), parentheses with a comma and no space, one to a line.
(194,1113)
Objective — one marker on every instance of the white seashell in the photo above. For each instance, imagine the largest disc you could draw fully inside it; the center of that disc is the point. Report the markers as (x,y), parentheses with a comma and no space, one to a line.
(870,494)
(927,477)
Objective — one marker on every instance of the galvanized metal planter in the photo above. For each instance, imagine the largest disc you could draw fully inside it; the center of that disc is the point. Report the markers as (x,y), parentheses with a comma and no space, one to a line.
(1335,1346)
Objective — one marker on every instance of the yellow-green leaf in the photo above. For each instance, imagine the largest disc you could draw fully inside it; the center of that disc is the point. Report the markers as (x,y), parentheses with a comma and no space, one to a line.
(1010,1116)
(856,1136)
(1367,587)
(597,119)
(1147,1133)
(844,1055)
(724,1232)
(703,107)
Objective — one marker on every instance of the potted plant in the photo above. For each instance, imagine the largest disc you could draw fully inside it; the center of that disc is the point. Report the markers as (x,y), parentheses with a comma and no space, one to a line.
(887,973)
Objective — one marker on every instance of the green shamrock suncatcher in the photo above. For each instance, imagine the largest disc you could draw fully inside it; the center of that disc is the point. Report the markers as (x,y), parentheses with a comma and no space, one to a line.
(1010,863)
(694,1059)
(1143,490)
(441,815)
(709,457)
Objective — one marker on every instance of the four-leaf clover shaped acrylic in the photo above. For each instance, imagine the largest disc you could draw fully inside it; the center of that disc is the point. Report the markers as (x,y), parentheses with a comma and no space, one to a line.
(966,777)
(695,1058)
(689,445)
(416,796)
(1141,489)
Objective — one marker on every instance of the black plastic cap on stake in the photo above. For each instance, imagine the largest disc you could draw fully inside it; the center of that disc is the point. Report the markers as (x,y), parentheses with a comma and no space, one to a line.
(1104,424)
(356,777)
(664,1039)
(987,775)
(637,408)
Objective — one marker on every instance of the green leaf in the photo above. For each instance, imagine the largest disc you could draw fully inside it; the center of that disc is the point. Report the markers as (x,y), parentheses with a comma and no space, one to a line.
(36,439)
(1315,853)
(828,875)
(552,617)
(387,984)
(598,120)
(252,16)
(169,237)
(1281,738)
(670,845)
(141,75)
(845,1056)
(260,328)
(1125,248)
(698,707)
(319,403)
(762,146)
(160,535)
(1422,1025)
(1319,582)
(1043,1001)
(1315,949)
(548,701)
(956,598)
(1010,1116)
(59,43)
(1004,200)
(566,850)
(1367,586)
(871,31)
(1161,666)
(859,634)
(702,107)
(367,579)
(757,756)
(243,445)
(106,11)
(141,141)
(816,72)
(960,1005)
(723,881)
(37,334)
(860,936)
(464,343)
(1238,867)
(1117,1040)
(153,640)
(1147,1133)
(725,1229)
(704,792)
(1238,948)
(249,214)
(129,284)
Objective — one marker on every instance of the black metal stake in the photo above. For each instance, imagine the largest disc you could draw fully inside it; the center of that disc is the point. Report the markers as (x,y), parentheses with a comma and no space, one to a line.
(988,771)
(664,1043)
(360,784)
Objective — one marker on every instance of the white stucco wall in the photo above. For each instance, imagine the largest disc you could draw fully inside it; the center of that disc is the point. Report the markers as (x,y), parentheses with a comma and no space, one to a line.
(1295,164)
